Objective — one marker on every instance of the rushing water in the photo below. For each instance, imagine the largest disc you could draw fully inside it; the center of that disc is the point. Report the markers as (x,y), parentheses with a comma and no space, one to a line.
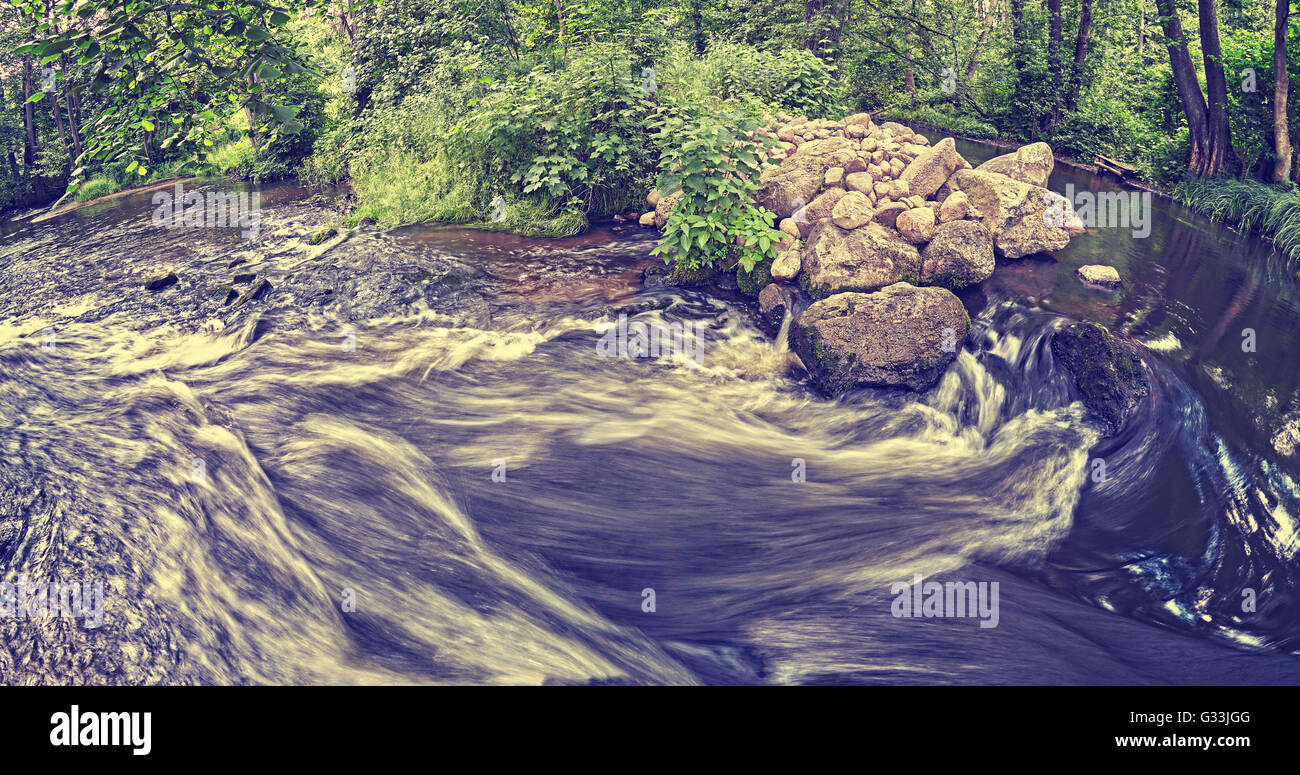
(406,460)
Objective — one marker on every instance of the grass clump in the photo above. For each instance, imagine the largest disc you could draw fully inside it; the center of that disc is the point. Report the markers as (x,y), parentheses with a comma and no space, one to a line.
(1271,210)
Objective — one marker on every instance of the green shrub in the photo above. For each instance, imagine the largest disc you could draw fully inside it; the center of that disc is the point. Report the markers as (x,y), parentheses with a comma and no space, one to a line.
(713,159)
(794,79)
(100,185)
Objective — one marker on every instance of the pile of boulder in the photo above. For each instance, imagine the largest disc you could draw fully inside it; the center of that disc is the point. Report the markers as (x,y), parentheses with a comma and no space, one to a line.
(880,227)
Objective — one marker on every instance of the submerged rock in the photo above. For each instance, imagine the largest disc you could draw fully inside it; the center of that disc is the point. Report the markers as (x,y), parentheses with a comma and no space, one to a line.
(256,293)
(901,336)
(772,305)
(1108,371)
(166,281)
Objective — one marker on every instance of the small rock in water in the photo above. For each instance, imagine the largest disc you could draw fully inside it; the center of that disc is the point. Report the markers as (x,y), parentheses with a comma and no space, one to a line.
(256,293)
(771,304)
(1100,275)
(246,277)
(166,281)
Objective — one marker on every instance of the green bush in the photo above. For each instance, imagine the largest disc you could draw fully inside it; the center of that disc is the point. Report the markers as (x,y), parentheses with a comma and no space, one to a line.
(794,79)
(713,159)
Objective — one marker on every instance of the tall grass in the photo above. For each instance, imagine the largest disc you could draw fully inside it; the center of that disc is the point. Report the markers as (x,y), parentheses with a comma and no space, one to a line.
(1272,210)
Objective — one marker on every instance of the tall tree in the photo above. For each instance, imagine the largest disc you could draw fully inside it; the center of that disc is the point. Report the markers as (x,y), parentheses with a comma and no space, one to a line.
(1281,83)
(1054,61)
(1220,153)
(1080,55)
(1189,89)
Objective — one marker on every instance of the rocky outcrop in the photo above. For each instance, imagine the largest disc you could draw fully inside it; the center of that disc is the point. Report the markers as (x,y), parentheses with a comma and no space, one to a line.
(900,336)
(863,259)
(960,254)
(1031,164)
(866,214)
(1108,371)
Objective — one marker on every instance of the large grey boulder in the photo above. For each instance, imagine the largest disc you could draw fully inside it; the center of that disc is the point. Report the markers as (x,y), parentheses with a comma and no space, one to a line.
(900,336)
(1023,219)
(796,182)
(863,259)
(935,164)
(960,254)
(1030,164)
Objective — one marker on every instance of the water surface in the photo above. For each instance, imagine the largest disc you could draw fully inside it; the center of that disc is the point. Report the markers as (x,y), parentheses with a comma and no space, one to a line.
(239,474)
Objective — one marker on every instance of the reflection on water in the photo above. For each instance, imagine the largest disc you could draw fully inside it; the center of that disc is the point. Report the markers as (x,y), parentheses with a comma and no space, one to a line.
(410,462)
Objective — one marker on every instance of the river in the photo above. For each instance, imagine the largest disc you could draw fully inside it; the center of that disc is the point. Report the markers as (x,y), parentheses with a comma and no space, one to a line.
(406,460)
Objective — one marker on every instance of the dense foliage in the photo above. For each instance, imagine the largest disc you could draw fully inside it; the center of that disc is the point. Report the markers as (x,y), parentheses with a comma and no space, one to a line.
(537,115)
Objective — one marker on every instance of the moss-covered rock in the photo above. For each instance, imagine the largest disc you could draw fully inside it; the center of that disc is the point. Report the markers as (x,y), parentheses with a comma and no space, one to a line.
(324,234)
(1109,372)
(756,280)
(684,276)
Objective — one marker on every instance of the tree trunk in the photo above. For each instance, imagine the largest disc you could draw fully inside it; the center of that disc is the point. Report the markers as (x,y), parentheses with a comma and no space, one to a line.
(63,134)
(31,154)
(1018,34)
(1221,154)
(1281,84)
(564,43)
(1081,55)
(74,124)
(986,24)
(1189,89)
(1054,62)
(909,74)
(697,25)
